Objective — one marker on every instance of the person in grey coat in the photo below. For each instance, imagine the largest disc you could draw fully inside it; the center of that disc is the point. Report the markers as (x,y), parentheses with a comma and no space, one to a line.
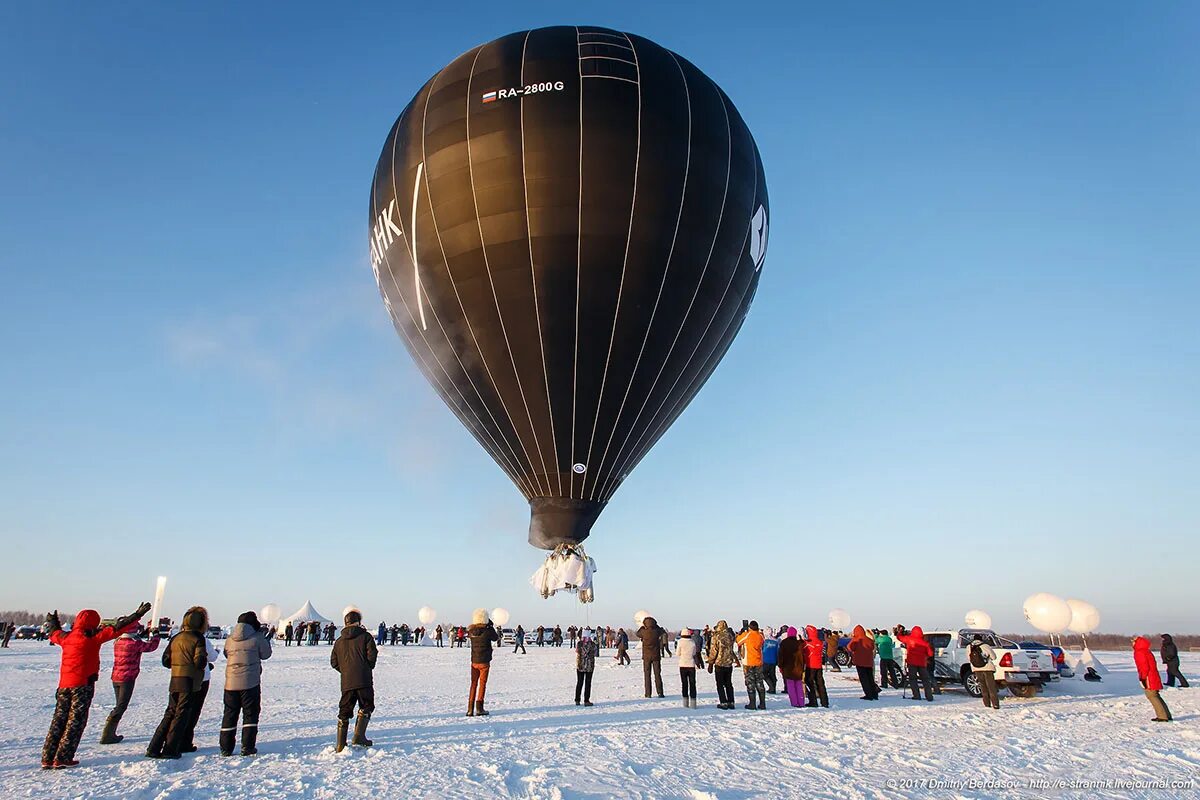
(246,648)
(983,664)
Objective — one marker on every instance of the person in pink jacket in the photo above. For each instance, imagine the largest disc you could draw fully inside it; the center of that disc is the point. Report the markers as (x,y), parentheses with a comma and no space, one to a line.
(1147,670)
(127,665)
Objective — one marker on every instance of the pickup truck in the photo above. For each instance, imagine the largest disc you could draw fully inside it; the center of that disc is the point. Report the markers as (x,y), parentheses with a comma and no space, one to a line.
(1024,671)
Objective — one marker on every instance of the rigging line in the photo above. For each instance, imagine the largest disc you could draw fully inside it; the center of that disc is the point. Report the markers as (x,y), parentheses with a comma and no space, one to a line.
(717,309)
(662,284)
(496,299)
(578,261)
(637,157)
(615,474)
(558,468)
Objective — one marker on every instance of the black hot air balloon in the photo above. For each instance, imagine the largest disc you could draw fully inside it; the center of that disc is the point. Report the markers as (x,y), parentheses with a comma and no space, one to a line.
(567,227)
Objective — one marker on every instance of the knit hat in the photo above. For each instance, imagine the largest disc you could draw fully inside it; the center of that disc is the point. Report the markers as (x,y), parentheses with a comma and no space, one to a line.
(686,632)
(353,617)
(251,619)
(791,631)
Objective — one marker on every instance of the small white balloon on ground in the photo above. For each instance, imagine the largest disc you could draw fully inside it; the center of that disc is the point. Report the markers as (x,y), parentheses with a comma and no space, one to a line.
(426,615)
(269,614)
(1047,612)
(1085,618)
(839,619)
(500,616)
(976,618)
(638,616)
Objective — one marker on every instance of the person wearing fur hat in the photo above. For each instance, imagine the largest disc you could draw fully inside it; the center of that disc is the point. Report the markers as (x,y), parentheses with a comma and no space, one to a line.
(248,645)
(482,633)
(651,636)
(353,656)
(687,651)
(77,676)
(585,664)
(127,665)
(187,657)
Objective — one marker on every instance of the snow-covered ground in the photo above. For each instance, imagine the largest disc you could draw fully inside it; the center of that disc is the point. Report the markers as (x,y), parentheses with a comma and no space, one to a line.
(537,743)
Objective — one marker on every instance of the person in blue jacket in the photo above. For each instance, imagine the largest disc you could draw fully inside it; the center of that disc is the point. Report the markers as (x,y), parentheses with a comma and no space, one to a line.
(381,636)
(770,657)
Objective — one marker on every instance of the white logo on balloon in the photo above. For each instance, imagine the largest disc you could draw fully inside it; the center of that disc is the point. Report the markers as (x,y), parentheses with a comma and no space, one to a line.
(758,237)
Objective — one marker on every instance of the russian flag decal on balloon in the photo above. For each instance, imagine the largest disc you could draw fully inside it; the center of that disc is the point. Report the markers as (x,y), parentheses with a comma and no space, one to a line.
(489,97)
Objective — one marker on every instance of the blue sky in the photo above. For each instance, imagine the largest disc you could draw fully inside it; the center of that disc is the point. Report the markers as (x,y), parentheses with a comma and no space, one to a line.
(972,371)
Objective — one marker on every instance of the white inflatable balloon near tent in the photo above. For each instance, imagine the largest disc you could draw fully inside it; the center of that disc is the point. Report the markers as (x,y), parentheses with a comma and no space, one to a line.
(1047,612)
(500,616)
(978,619)
(269,615)
(1085,618)
(638,616)
(839,619)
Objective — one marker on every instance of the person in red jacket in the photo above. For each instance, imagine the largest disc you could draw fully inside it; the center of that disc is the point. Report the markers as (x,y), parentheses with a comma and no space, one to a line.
(918,656)
(1147,670)
(77,679)
(127,665)
(814,674)
(862,656)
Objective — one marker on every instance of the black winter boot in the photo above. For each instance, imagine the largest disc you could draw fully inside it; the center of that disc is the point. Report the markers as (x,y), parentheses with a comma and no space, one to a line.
(360,731)
(343,726)
(762,700)
(480,711)
(110,733)
(249,738)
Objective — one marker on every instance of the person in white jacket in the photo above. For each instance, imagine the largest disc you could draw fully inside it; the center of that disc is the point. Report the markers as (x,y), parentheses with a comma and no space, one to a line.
(688,653)
(983,664)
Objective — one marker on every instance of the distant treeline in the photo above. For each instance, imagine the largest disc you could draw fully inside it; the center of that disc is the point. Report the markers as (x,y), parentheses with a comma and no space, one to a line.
(1108,641)
(25,617)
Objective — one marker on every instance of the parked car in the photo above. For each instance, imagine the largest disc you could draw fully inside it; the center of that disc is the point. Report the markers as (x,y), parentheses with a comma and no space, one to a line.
(27,632)
(1060,658)
(216,632)
(508,637)
(1024,671)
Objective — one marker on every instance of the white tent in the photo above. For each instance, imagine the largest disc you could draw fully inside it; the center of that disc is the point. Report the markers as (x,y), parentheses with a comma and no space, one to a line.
(306,614)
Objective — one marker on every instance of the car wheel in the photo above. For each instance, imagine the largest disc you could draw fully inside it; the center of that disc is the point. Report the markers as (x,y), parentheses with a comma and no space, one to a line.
(1023,690)
(971,683)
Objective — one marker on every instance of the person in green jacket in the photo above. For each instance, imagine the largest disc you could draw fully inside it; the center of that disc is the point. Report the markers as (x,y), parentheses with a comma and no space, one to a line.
(889,670)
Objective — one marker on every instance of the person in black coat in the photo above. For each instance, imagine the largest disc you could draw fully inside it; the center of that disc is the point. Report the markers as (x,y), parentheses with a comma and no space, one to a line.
(354,656)
(482,633)
(1170,659)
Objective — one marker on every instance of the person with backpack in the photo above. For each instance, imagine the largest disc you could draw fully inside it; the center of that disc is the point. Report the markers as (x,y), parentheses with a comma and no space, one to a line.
(722,655)
(919,657)
(1147,670)
(127,665)
(862,657)
(814,672)
(1170,659)
(983,666)
(246,648)
(79,669)
(889,670)
(482,633)
(353,656)
(770,657)
(585,664)
(751,641)
(687,651)
(792,667)
(186,655)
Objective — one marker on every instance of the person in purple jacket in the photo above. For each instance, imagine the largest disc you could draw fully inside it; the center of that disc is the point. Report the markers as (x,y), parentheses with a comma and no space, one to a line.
(127,665)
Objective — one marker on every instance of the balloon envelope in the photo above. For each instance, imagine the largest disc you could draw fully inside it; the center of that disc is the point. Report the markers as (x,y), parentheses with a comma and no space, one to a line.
(567,227)
(426,615)
(978,619)
(500,616)
(1047,612)
(1085,618)
(839,618)
(269,614)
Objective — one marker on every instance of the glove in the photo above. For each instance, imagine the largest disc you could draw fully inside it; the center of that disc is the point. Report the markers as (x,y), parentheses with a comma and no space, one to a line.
(126,621)
(52,621)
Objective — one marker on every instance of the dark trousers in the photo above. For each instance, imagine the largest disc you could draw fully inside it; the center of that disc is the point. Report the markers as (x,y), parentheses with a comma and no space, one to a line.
(724,676)
(653,665)
(814,686)
(520,646)
(925,676)
(866,676)
(622,657)
(363,697)
(198,706)
(71,707)
(247,703)
(687,678)
(1173,673)
(987,685)
(770,677)
(123,692)
(583,682)
(170,737)
(890,674)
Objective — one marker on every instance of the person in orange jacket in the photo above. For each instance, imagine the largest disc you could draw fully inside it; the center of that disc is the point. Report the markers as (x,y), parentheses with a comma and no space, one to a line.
(918,657)
(814,674)
(1147,670)
(862,656)
(751,642)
